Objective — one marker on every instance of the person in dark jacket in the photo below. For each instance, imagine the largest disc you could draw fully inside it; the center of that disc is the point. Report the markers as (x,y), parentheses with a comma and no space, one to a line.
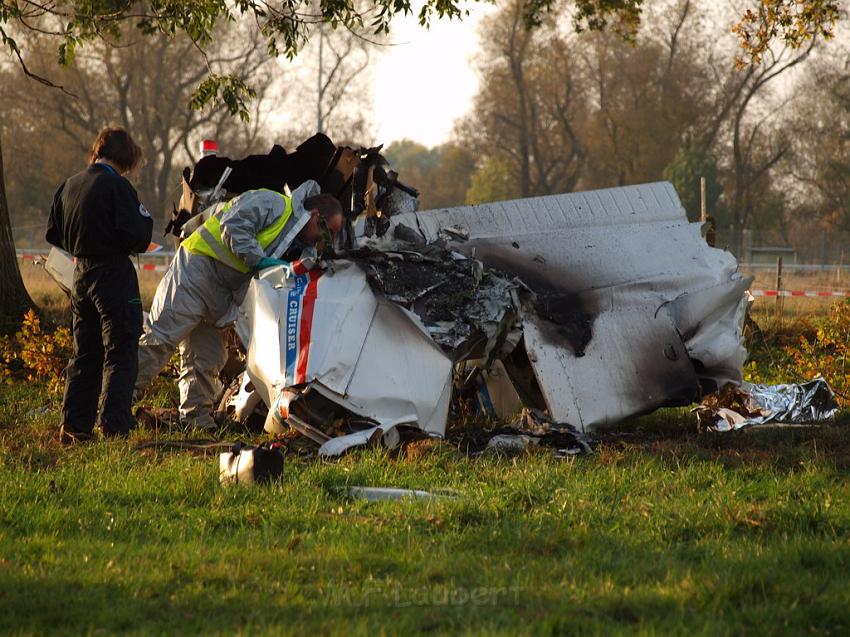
(97,217)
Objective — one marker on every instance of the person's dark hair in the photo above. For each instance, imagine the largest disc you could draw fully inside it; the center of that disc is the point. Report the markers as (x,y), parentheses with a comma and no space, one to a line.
(116,146)
(326,204)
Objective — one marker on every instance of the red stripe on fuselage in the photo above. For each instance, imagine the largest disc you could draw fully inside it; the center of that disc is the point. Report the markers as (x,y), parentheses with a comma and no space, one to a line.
(306,327)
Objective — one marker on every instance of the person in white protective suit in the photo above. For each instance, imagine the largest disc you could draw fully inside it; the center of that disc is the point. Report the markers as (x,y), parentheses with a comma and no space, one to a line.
(208,278)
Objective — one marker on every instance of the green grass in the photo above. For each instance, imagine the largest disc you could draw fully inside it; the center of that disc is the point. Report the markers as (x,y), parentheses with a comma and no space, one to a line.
(660,531)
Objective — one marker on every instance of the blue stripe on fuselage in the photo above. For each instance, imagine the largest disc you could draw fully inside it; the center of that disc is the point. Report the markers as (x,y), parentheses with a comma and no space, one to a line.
(293,313)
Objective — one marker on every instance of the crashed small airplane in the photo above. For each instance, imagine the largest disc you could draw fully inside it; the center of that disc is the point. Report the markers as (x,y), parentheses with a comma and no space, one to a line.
(599,305)
(595,306)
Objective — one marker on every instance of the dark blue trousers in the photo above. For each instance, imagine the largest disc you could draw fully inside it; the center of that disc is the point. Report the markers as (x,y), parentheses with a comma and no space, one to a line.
(107,323)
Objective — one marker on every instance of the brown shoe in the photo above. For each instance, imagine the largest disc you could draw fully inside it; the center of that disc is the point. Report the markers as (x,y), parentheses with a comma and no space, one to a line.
(69,437)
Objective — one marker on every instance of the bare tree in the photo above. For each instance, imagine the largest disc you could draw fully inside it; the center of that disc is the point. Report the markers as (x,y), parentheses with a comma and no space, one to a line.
(742,115)
(821,120)
(145,88)
(563,110)
(15,294)
(328,89)
(341,95)
(527,111)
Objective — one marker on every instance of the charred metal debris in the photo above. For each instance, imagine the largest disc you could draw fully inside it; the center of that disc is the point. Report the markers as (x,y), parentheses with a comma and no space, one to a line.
(736,407)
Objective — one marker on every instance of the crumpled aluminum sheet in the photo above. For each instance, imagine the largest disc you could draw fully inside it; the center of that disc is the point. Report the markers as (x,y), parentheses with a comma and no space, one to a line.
(748,404)
(327,331)
(634,311)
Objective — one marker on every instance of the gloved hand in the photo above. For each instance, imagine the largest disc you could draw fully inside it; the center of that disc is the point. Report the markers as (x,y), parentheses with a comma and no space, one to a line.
(268,262)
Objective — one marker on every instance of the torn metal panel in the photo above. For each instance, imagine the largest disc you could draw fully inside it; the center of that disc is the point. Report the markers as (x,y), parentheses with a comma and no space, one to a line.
(388,437)
(620,372)
(306,430)
(736,407)
(494,393)
(510,444)
(514,444)
(713,319)
(633,309)
(244,401)
(400,376)
(327,331)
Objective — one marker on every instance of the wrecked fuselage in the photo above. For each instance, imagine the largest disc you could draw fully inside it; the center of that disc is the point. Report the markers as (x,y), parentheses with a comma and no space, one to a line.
(634,310)
(323,347)
(368,342)
(599,306)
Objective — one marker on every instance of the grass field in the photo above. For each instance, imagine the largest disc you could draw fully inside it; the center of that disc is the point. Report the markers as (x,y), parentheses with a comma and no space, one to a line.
(660,531)
(50,299)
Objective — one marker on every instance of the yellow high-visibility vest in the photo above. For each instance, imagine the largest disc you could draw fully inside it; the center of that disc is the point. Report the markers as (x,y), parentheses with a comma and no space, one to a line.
(206,240)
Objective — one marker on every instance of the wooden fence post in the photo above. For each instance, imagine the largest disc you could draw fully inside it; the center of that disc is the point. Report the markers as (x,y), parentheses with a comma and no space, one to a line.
(704,217)
(779,297)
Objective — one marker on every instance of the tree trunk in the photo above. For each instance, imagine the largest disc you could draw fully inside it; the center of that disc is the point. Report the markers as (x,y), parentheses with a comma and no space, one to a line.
(15,298)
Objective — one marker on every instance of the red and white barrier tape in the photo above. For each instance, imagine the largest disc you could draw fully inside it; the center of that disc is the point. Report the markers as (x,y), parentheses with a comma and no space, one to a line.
(809,293)
(151,267)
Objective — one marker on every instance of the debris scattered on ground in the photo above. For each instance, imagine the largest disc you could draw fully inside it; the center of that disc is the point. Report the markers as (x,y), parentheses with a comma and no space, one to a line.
(245,464)
(388,437)
(510,444)
(374,494)
(738,406)
(530,429)
(200,447)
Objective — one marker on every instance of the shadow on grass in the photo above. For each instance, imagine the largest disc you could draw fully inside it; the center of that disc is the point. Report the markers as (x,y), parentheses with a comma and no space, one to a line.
(671,435)
(613,582)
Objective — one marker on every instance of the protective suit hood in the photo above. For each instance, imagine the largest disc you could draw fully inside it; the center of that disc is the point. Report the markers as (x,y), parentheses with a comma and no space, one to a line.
(300,215)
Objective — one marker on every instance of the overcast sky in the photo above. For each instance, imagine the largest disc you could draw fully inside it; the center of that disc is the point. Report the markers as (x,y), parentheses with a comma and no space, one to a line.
(420,83)
(427,80)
